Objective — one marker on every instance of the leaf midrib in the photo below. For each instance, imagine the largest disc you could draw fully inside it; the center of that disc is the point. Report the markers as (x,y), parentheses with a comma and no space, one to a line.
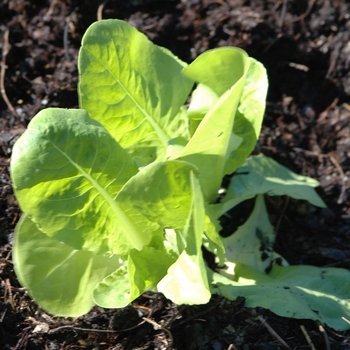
(162,135)
(133,234)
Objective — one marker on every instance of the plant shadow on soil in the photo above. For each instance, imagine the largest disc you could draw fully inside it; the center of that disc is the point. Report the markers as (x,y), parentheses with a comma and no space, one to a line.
(304,46)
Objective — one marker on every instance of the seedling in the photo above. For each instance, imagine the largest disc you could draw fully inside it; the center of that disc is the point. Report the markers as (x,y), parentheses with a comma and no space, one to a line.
(120,196)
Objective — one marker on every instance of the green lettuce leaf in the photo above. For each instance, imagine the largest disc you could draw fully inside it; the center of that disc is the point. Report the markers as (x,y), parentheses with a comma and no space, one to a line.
(67,171)
(211,69)
(250,113)
(58,277)
(262,175)
(114,290)
(133,87)
(144,269)
(202,99)
(213,141)
(167,193)
(160,193)
(252,244)
(302,292)
(186,281)
(212,240)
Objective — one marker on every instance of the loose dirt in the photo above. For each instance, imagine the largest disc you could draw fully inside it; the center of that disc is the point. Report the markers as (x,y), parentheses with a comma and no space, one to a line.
(305,46)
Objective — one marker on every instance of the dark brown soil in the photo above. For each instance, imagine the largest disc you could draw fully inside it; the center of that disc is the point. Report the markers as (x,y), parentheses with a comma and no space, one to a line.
(305,46)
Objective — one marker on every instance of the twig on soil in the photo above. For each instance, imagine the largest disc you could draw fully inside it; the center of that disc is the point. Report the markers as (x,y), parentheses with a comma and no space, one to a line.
(334,58)
(220,2)
(341,197)
(305,14)
(65,40)
(3,316)
(273,332)
(157,326)
(8,292)
(342,175)
(100,10)
(324,114)
(325,337)
(68,24)
(57,329)
(283,14)
(51,8)
(6,261)
(7,258)
(22,342)
(197,315)
(5,51)
(307,337)
(335,163)
(54,330)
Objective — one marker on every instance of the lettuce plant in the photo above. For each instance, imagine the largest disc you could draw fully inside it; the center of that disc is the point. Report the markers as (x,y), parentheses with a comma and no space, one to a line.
(121,196)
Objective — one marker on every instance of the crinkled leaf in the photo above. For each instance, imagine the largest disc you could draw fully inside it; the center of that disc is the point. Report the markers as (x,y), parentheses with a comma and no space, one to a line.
(133,87)
(161,193)
(261,174)
(114,290)
(186,281)
(252,244)
(164,193)
(67,171)
(214,141)
(144,270)
(58,277)
(147,269)
(302,292)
